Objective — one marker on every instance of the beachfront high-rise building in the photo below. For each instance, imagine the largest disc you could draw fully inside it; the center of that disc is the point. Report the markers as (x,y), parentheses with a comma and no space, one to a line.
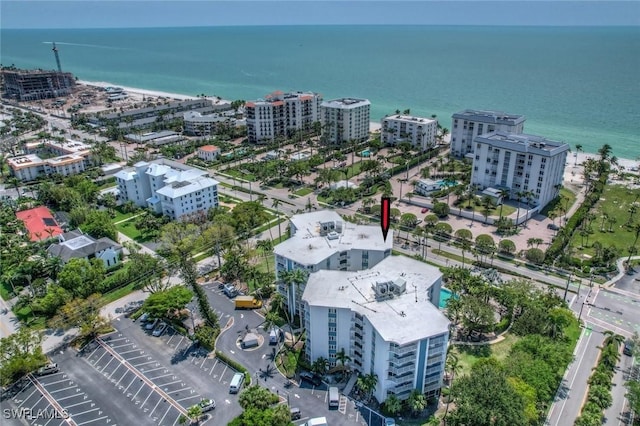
(387,321)
(322,240)
(169,188)
(468,124)
(529,167)
(419,132)
(345,120)
(30,85)
(281,114)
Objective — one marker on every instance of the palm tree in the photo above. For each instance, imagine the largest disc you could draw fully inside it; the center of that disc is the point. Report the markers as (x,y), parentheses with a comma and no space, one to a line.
(453,365)
(503,194)
(266,246)
(636,230)
(320,365)
(343,358)
(294,279)
(392,404)
(578,150)
(276,204)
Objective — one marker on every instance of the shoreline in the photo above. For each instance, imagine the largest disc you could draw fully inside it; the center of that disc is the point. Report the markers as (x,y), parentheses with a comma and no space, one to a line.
(374,126)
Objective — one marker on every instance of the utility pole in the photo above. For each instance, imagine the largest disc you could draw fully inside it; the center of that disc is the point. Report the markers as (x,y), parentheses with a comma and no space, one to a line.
(566,288)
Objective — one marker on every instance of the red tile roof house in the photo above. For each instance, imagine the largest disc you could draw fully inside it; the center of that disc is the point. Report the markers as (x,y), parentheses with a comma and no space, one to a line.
(208,152)
(40,223)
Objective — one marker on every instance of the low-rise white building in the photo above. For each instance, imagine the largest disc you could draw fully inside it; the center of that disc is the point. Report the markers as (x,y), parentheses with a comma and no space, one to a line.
(76,245)
(426,186)
(470,123)
(70,158)
(169,188)
(208,153)
(529,165)
(322,240)
(418,131)
(197,124)
(387,321)
(345,120)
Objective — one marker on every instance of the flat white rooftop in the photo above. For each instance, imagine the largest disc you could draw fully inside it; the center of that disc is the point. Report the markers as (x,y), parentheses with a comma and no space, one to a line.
(402,318)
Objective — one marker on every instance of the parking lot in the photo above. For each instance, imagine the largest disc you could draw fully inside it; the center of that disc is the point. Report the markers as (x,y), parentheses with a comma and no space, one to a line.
(53,400)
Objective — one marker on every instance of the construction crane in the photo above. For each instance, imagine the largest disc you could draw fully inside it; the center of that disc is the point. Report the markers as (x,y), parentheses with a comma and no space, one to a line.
(55,52)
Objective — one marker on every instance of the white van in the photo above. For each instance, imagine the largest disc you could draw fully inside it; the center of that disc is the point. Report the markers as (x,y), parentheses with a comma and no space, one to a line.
(275,336)
(317,421)
(236,383)
(334,397)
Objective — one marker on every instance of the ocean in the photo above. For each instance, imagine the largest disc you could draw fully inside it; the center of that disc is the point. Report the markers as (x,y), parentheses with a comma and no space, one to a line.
(580,85)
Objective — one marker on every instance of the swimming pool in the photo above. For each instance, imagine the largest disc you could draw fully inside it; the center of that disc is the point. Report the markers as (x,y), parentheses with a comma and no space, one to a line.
(444,182)
(445,294)
(366,153)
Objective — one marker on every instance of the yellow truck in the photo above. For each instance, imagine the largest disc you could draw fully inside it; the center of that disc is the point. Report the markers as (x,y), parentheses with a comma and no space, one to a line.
(247,302)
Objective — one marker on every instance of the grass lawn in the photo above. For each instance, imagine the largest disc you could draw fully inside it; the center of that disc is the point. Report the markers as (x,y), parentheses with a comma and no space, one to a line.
(303,191)
(288,362)
(120,215)
(566,200)
(129,229)
(469,355)
(615,203)
(240,175)
(506,209)
(26,317)
(117,294)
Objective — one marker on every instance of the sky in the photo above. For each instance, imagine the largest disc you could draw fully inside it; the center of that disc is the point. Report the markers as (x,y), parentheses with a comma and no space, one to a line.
(178,13)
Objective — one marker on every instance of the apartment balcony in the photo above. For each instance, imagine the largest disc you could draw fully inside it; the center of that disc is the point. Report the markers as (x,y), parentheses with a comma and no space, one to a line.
(401,351)
(399,372)
(408,387)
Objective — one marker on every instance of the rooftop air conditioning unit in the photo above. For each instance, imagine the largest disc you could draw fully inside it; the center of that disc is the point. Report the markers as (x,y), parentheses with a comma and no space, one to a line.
(381,289)
(333,235)
(398,286)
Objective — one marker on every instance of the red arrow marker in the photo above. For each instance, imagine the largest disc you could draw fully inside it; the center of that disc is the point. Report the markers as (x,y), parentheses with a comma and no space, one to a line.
(385,216)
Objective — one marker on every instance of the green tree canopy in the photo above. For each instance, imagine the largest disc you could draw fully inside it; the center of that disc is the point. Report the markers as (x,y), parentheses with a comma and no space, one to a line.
(81,277)
(163,304)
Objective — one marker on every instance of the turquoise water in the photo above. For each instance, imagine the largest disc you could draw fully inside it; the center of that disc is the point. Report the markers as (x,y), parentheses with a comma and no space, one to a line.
(444,183)
(365,153)
(579,85)
(445,294)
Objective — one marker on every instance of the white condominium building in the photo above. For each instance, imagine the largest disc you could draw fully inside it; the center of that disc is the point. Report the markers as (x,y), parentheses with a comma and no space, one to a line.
(387,321)
(523,164)
(168,188)
(197,124)
(470,123)
(71,157)
(280,114)
(345,119)
(322,240)
(419,132)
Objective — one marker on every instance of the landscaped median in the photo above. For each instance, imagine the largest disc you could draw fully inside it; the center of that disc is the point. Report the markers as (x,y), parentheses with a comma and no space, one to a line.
(233,364)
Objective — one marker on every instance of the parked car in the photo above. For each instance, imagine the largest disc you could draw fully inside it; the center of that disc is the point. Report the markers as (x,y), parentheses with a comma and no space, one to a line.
(426,209)
(388,421)
(160,330)
(628,347)
(50,368)
(207,405)
(144,317)
(312,378)
(230,290)
(553,227)
(295,413)
(151,324)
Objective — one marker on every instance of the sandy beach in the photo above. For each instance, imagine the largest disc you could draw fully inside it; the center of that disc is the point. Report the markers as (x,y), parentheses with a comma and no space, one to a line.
(144,92)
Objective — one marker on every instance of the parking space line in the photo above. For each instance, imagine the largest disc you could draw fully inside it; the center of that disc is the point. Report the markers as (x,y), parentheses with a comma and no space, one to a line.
(204,359)
(147,398)
(104,368)
(94,351)
(49,398)
(68,397)
(144,363)
(136,357)
(25,400)
(186,397)
(122,377)
(49,421)
(64,389)
(59,381)
(180,342)
(93,420)
(128,352)
(121,346)
(134,379)
(165,414)
(143,378)
(154,408)
(79,403)
(223,371)
(98,360)
(171,383)
(142,386)
(153,369)
(85,412)
(159,377)
(114,371)
(214,366)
